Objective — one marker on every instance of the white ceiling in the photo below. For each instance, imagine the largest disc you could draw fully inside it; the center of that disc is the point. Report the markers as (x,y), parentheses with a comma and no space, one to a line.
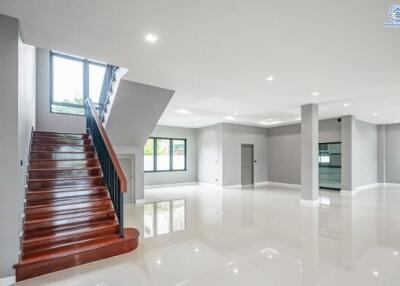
(217,54)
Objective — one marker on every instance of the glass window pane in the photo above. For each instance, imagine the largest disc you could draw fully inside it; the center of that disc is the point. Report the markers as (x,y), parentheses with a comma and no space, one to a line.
(96,78)
(178,151)
(149,155)
(148,220)
(163,217)
(67,109)
(178,215)
(163,154)
(67,80)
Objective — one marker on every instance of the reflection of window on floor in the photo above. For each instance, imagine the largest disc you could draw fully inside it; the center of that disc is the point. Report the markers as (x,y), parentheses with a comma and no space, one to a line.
(164,217)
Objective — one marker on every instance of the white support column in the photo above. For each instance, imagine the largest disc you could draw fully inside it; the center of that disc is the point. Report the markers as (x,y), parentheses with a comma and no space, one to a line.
(309,155)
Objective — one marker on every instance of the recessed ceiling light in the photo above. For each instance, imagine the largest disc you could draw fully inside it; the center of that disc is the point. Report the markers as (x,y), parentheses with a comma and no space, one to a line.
(346,104)
(230,118)
(375,114)
(183,111)
(151,38)
(236,271)
(158,261)
(196,249)
(270,78)
(395,253)
(376,273)
(315,93)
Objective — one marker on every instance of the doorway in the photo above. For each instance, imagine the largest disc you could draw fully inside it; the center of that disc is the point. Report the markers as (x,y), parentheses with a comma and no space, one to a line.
(247,165)
(330,165)
(127,164)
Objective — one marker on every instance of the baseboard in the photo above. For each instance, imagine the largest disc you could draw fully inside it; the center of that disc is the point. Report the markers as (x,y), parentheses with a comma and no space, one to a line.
(208,185)
(309,203)
(170,185)
(261,184)
(7,281)
(284,185)
(232,186)
(359,189)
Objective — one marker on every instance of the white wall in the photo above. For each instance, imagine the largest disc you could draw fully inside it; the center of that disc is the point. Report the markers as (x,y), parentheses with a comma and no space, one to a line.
(17,115)
(232,137)
(46,120)
(174,177)
(392,153)
(365,165)
(210,154)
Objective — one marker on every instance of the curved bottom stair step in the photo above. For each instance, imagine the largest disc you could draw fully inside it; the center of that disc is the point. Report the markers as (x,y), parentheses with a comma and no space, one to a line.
(85,253)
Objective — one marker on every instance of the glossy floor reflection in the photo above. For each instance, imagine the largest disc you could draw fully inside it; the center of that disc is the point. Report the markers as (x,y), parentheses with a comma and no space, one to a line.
(195,235)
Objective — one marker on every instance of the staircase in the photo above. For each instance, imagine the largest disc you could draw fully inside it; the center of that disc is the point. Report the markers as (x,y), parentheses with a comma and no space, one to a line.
(71,215)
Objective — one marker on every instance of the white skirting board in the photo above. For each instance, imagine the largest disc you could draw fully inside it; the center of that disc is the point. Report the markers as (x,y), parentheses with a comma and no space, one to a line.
(170,185)
(284,185)
(360,189)
(7,281)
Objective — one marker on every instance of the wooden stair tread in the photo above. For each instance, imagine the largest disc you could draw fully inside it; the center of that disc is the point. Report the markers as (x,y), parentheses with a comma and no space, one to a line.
(79,249)
(66,189)
(70,232)
(67,201)
(67,178)
(69,215)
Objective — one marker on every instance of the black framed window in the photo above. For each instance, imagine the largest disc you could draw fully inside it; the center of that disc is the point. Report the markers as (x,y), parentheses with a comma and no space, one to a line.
(74,79)
(165,154)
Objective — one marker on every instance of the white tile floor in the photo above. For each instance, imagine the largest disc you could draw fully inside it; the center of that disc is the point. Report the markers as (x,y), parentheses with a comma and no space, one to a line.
(253,237)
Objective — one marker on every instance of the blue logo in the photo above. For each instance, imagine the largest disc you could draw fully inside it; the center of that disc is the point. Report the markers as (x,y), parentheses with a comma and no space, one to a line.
(394,16)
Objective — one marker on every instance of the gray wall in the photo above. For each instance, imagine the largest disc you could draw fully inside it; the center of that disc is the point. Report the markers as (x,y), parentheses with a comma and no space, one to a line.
(393,154)
(232,138)
(17,119)
(190,175)
(365,146)
(284,152)
(210,154)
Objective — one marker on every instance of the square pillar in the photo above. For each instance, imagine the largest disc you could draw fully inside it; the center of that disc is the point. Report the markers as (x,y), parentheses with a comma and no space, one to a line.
(348,129)
(309,155)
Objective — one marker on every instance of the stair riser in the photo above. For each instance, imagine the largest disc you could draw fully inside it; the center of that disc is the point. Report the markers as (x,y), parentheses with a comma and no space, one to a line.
(65,183)
(59,135)
(51,174)
(33,197)
(66,141)
(53,211)
(30,247)
(61,148)
(49,225)
(64,246)
(64,164)
(61,156)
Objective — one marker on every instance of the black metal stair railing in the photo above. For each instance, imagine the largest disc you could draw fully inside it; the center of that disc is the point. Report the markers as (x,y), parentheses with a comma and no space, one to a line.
(113,175)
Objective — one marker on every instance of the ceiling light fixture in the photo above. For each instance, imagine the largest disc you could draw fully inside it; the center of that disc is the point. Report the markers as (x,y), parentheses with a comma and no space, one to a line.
(151,38)
(376,273)
(236,271)
(183,111)
(315,93)
(270,78)
(346,104)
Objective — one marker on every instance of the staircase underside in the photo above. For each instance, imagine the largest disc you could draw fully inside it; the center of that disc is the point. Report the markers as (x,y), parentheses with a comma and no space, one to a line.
(69,216)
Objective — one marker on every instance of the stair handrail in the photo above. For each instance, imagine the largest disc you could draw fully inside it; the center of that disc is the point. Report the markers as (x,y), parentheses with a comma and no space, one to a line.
(113,174)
